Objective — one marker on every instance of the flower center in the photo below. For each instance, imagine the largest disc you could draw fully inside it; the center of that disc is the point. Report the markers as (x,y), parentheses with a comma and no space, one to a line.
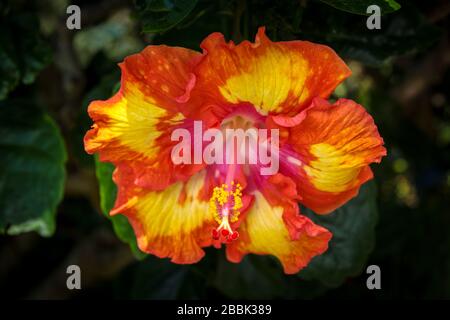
(237,122)
(226,200)
(239,130)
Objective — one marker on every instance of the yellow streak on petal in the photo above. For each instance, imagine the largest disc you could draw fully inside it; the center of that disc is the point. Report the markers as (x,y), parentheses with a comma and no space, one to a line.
(333,170)
(265,232)
(133,120)
(266,229)
(162,214)
(270,78)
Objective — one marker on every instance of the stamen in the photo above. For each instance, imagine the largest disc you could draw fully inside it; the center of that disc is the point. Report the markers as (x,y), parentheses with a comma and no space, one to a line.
(224,205)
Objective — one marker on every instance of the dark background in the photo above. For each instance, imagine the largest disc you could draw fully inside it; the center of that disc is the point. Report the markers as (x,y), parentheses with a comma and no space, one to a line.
(53,215)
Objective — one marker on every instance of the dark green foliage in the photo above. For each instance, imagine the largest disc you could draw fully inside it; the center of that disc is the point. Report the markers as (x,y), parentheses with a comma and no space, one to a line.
(353,228)
(21,57)
(32,170)
(108,191)
(360,6)
(155,278)
(402,32)
(162,15)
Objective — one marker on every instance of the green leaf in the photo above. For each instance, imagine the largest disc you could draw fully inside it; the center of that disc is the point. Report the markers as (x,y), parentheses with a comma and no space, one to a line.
(360,6)
(32,172)
(262,277)
(107,188)
(255,277)
(353,228)
(208,17)
(108,192)
(21,57)
(155,278)
(162,15)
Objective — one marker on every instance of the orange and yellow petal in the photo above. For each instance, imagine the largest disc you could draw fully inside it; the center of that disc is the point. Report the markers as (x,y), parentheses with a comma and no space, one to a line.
(335,146)
(174,223)
(275,77)
(135,124)
(281,232)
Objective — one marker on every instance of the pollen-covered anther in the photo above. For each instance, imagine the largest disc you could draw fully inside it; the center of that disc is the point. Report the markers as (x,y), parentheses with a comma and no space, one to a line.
(225,203)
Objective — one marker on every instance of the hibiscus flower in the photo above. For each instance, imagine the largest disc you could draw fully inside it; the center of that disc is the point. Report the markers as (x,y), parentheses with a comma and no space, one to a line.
(176,210)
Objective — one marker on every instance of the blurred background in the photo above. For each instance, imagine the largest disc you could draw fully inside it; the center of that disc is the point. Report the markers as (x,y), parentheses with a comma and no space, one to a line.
(54,198)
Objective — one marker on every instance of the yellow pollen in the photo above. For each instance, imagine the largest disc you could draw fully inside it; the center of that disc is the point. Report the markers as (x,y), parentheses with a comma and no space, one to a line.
(225,203)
